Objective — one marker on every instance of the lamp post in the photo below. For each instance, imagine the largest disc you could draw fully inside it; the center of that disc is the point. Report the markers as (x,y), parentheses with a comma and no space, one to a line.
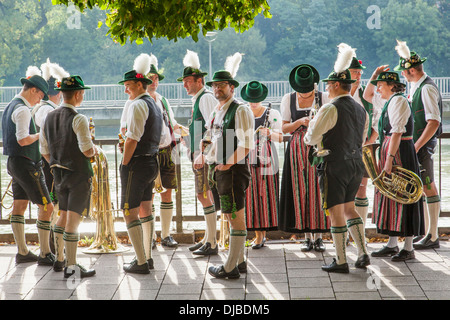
(210,37)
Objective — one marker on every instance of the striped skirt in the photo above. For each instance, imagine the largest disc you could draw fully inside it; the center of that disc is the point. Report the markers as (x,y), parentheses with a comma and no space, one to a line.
(300,198)
(262,195)
(390,217)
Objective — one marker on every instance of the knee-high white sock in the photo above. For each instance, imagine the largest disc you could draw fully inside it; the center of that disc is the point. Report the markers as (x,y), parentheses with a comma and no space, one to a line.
(426,215)
(211,225)
(434,209)
(59,242)
(18,228)
(362,207)
(135,233)
(237,243)
(356,228)
(71,245)
(43,228)
(339,235)
(148,227)
(408,245)
(166,213)
(392,242)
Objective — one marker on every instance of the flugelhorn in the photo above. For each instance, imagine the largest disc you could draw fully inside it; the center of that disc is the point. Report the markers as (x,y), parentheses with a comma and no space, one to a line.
(402,185)
(7,192)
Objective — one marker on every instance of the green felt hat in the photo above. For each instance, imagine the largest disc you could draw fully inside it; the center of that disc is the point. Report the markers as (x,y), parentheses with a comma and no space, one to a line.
(71,83)
(303,77)
(343,76)
(413,61)
(153,70)
(189,71)
(254,91)
(388,76)
(38,82)
(356,64)
(223,75)
(134,76)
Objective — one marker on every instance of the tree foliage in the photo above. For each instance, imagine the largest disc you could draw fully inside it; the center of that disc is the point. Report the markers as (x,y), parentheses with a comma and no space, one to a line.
(300,31)
(135,20)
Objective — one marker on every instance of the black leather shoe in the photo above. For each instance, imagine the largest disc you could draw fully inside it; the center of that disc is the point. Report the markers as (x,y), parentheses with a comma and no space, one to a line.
(404,255)
(134,267)
(319,246)
(58,266)
(385,252)
(242,267)
(29,257)
(48,260)
(219,272)
(337,268)
(417,239)
(151,266)
(196,246)
(426,243)
(307,245)
(259,245)
(78,270)
(362,261)
(169,242)
(206,250)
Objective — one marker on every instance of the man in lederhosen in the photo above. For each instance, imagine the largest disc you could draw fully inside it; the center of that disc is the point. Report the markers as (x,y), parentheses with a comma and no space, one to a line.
(426,104)
(373,110)
(51,72)
(21,145)
(341,127)
(232,127)
(203,106)
(139,166)
(67,146)
(166,163)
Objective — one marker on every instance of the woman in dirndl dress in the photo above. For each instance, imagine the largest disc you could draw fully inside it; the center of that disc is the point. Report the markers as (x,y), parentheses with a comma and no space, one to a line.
(397,148)
(262,195)
(300,198)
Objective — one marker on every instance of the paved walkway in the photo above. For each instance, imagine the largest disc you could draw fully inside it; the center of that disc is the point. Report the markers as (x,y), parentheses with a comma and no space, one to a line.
(279,271)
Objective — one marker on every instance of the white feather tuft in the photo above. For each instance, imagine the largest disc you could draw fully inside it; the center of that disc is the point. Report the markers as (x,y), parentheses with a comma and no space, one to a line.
(191,60)
(46,70)
(403,50)
(58,72)
(344,58)
(154,61)
(142,64)
(33,71)
(232,63)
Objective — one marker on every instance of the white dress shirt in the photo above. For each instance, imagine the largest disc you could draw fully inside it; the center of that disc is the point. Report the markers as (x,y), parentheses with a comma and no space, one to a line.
(430,99)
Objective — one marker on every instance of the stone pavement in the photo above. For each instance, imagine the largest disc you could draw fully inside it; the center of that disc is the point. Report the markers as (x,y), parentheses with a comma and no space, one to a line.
(278,271)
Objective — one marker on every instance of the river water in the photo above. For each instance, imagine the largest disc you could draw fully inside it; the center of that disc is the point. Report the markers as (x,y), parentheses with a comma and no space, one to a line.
(189,204)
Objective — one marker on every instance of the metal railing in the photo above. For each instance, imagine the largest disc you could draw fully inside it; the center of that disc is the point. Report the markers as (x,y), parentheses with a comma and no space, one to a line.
(179,217)
(112,95)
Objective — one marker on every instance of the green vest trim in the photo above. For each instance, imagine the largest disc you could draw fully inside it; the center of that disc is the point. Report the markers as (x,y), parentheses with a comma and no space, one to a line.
(228,126)
(369,108)
(418,111)
(196,135)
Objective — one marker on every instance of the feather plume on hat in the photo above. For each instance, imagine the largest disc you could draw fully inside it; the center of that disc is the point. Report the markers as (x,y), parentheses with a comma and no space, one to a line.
(232,63)
(403,50)
(142,64)
(191,60)
(344,58)
(33,71)
(46,69)
(58,72)
(154,61)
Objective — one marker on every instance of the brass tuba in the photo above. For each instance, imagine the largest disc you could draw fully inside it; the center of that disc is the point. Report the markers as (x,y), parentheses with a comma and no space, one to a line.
(403,186)
(105,240)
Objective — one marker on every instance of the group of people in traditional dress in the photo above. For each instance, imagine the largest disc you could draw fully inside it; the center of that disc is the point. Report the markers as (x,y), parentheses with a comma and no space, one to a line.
(231,146)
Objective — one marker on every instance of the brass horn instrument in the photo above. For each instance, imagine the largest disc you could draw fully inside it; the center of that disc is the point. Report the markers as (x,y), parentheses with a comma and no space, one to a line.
(105,240)
(402,186)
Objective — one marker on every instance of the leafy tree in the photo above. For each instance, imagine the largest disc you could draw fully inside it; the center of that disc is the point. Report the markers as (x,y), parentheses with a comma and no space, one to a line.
(135,20)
